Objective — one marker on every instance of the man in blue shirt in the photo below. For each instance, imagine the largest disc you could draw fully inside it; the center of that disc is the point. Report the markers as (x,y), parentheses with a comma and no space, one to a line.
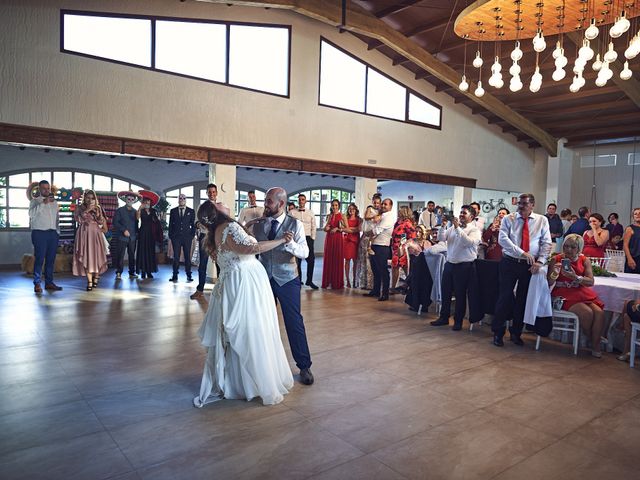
(582,224)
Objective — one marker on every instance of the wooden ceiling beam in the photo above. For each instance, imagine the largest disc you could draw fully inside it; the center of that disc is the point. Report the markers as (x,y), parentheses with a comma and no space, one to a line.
(604,120)
(363,22)
(589,107)
(390,10)
(535,99)
(373,44)
(630,87)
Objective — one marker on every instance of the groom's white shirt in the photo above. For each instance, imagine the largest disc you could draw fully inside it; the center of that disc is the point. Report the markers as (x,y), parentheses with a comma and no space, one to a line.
(298,246)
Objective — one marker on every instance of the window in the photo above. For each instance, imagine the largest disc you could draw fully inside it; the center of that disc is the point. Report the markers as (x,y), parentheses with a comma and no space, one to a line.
(172,196)
(122,39)
(634,159)
(254,57)
(14,203)
(587,161)
(348,83)
(242,199)
(319,201)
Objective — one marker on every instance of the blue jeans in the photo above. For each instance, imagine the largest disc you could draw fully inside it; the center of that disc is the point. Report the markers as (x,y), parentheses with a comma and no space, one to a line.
(45,244)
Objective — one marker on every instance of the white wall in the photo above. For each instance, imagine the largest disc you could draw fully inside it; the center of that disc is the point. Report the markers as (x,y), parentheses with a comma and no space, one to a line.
(45,88)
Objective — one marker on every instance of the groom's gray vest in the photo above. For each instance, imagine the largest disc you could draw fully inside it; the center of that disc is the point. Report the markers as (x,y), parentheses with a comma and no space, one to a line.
(279,264)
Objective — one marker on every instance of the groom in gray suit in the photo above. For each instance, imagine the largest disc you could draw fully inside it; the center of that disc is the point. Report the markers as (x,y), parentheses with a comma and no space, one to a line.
(281,267)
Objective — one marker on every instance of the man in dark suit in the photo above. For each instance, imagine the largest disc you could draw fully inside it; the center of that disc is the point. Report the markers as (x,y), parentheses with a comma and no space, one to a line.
(181,232)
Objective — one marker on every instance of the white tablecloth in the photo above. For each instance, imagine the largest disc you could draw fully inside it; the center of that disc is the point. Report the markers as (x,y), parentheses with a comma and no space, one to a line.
(614,291)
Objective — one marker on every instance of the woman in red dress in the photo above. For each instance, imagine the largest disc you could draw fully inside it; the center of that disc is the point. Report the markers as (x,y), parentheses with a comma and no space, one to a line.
(351,241)
(595,240)
(333,264)
(492,249)
(404,230)
(571,271)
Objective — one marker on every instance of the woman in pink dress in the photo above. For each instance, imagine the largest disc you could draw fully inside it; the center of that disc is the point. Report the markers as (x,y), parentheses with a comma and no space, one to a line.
(351,241)
(573,277)
(595,240)
(333,264)
(89,250)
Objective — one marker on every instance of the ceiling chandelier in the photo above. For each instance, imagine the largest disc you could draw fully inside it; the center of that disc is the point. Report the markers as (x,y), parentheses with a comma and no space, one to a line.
(605,27)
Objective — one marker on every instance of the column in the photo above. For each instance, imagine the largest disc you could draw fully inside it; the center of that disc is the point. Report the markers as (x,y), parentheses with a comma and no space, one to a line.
(365,188)
(224,176)
(461,196)
(559,175)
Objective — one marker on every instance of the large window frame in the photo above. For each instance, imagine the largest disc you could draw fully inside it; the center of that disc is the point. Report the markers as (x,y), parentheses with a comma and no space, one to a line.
(35,175)
(409,91)
(153,19)
(322,207)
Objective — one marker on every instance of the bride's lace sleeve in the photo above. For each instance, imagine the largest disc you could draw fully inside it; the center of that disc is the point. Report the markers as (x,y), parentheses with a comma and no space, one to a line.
(239,241)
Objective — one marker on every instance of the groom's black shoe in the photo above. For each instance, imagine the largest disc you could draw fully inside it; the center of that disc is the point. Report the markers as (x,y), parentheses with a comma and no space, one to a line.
(306,377)
(370,294)
(439,322)
(312,285)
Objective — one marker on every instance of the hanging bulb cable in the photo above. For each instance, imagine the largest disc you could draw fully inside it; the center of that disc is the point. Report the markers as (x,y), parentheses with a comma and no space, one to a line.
(464,85)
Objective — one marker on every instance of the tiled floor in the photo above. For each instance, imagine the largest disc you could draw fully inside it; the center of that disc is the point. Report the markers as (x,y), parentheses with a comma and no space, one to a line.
(97,385)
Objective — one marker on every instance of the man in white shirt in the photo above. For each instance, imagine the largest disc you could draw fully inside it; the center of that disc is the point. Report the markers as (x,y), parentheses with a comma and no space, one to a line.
(428,216)
(382,249)
(308,220)
(45,230)
(478,221)
(251,211)
(281,269)
(459,274)
(526,244)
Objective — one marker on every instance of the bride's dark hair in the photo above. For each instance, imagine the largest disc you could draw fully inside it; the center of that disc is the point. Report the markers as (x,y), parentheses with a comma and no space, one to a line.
(210,217)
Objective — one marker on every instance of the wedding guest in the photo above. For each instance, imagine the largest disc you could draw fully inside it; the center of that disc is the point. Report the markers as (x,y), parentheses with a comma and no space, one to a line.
(333,265)
(459,275)
(149,233)
(574,219)
(631,244)
(526,244)
(403,230)
(364,274)
(291,206)
(351,241)
(573,281)
(630,314)
(251,211)
(595,239)
(565,215)
(555,223)
(181,232)
(381,252)
(478,220)
(89,248)
(125,226)
(428,217)
(616,231)
(45,230)
(308,220)
(493,250)
(419,280)
(212,197)
(581,225)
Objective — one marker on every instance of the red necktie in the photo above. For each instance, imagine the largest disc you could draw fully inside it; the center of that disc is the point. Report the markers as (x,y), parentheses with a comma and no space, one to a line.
(524,243)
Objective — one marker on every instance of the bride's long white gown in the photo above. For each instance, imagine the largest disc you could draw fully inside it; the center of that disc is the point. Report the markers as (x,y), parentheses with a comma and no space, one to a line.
(245,356)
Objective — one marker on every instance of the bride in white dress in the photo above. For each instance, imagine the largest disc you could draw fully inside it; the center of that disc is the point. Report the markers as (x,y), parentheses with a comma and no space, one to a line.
(245,356)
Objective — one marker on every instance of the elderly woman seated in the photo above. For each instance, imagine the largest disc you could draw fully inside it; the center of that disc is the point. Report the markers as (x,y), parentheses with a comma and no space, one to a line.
(571,273)
(630,314)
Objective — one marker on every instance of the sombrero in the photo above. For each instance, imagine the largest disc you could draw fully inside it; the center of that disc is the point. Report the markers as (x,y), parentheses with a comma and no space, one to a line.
(149,195)
(124,194)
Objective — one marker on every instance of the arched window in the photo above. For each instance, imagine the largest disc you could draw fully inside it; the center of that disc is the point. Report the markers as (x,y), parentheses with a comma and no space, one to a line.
(319,201)
(14,204)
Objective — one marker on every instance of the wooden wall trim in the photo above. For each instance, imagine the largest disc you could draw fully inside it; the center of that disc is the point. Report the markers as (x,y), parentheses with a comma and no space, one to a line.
(45,137)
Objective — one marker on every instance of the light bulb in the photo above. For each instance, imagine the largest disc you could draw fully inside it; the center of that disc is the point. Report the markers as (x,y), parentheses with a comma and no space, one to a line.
(558,74)
(514,69)
(615,31)
(630,53)
(464,85)
(561,61)
(597,65)
(611,55)
(534,87)
(580,81)
(496,67)
(626,73)
(585,52)
(515,84)
(538,42)
(516,53)
(608,73)
(601,82)
(573,88)
(499,83)
(537,76)
(578,68)
(477,62)
(492,81)
(591,32)
(622,24)
(558,50)
(479,90)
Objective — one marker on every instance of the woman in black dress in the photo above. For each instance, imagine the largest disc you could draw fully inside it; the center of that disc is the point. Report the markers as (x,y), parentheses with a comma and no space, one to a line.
(146,252)
(419,281)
